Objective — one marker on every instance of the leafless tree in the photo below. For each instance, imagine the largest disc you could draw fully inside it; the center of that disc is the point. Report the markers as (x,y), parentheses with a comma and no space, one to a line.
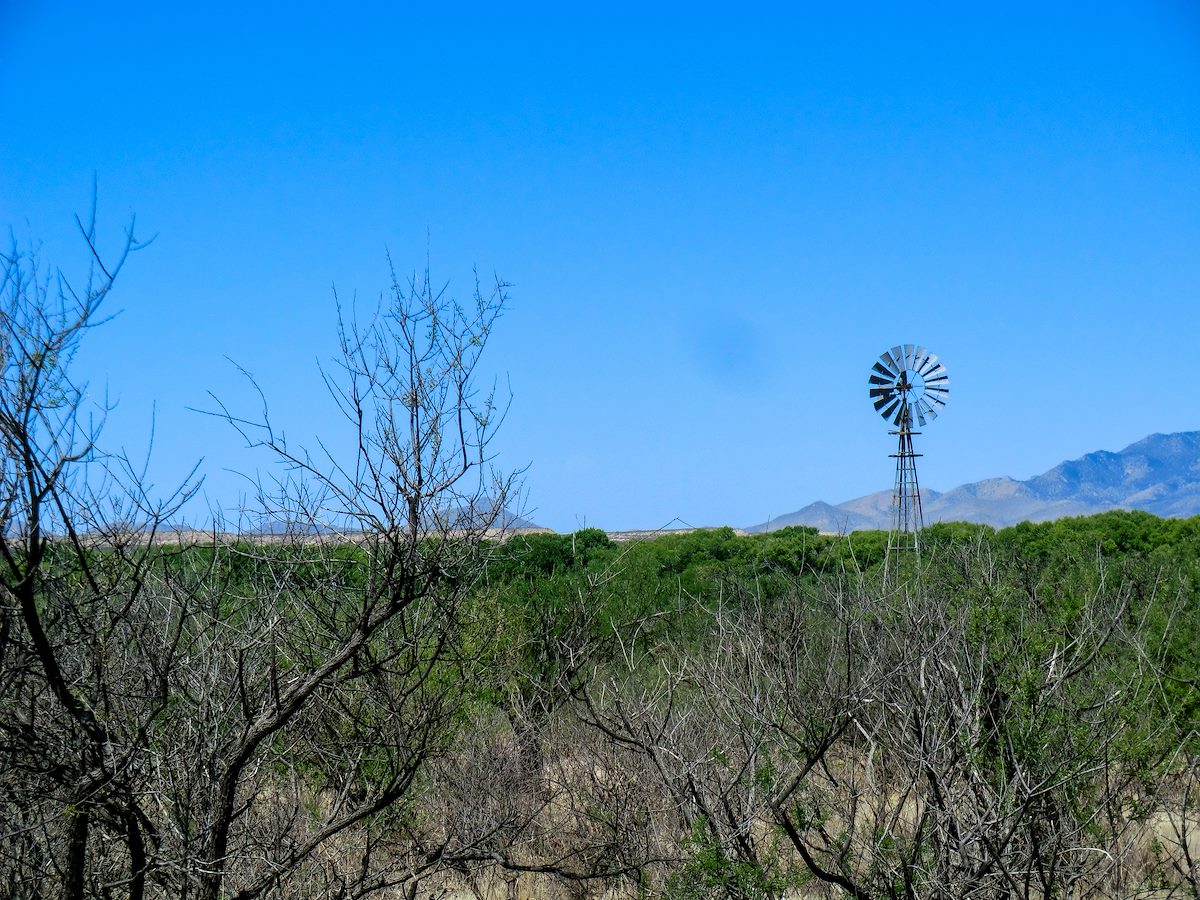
(979,768)
(78,634)
(347,667)
(1180,834)
(734,730)
(251,717)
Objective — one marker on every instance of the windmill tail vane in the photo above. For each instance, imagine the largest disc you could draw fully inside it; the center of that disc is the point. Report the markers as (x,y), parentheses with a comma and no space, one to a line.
(908,387)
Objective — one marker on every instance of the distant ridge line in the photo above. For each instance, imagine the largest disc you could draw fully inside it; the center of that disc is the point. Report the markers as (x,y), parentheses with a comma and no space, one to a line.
(1159,474)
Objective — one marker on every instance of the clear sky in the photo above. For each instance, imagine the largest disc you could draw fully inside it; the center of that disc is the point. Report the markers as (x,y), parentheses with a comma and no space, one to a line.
(714,218)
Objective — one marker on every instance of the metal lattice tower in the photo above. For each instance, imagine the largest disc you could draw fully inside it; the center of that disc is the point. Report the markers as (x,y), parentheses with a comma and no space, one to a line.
(908,387)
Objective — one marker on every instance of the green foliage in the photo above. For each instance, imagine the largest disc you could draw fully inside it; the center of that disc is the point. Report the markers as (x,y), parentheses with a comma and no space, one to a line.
(709,873)
(544,555)
(1026,589)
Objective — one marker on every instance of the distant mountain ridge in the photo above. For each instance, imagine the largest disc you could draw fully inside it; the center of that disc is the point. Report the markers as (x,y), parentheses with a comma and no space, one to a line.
(1159,474)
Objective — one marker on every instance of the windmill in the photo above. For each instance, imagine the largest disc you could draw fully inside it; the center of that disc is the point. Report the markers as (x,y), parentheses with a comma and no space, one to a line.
(909,387)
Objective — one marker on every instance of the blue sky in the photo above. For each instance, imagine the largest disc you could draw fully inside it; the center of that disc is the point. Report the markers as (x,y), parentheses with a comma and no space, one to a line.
(714,219)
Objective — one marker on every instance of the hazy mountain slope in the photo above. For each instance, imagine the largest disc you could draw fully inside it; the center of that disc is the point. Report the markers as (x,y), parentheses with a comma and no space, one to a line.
(824,517)
(1159,474)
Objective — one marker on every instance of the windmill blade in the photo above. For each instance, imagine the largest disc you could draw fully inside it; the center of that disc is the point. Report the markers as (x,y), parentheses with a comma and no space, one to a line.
(908,356)
(919,358)
(883,370)
(898,357)
(920,414)
(892,403)
(879,379)
(892,367)
(937,378)
(900,414)
(883,401)
(882,391)
(928,364)
(929,409)
(937,395)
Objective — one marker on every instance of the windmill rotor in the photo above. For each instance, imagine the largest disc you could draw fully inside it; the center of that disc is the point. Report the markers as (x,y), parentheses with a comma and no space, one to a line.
(909,385)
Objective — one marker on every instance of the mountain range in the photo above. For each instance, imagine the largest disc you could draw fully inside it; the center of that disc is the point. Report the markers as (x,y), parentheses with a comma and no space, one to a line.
(1159,474)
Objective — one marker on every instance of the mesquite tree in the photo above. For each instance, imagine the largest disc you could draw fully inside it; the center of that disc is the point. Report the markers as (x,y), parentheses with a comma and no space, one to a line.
(84,649)
(346,664)
(250,715)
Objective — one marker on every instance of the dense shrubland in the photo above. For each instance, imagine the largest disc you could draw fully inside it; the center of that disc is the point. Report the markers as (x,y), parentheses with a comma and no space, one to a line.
(1012,714)
(384,698)
(699,715)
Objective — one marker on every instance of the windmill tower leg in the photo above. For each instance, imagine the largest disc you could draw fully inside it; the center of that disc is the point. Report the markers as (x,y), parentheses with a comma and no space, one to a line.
(906,519)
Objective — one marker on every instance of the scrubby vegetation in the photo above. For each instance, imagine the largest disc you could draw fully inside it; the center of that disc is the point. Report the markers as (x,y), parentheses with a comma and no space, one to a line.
(1012,714)
(700,715)
(387,699)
